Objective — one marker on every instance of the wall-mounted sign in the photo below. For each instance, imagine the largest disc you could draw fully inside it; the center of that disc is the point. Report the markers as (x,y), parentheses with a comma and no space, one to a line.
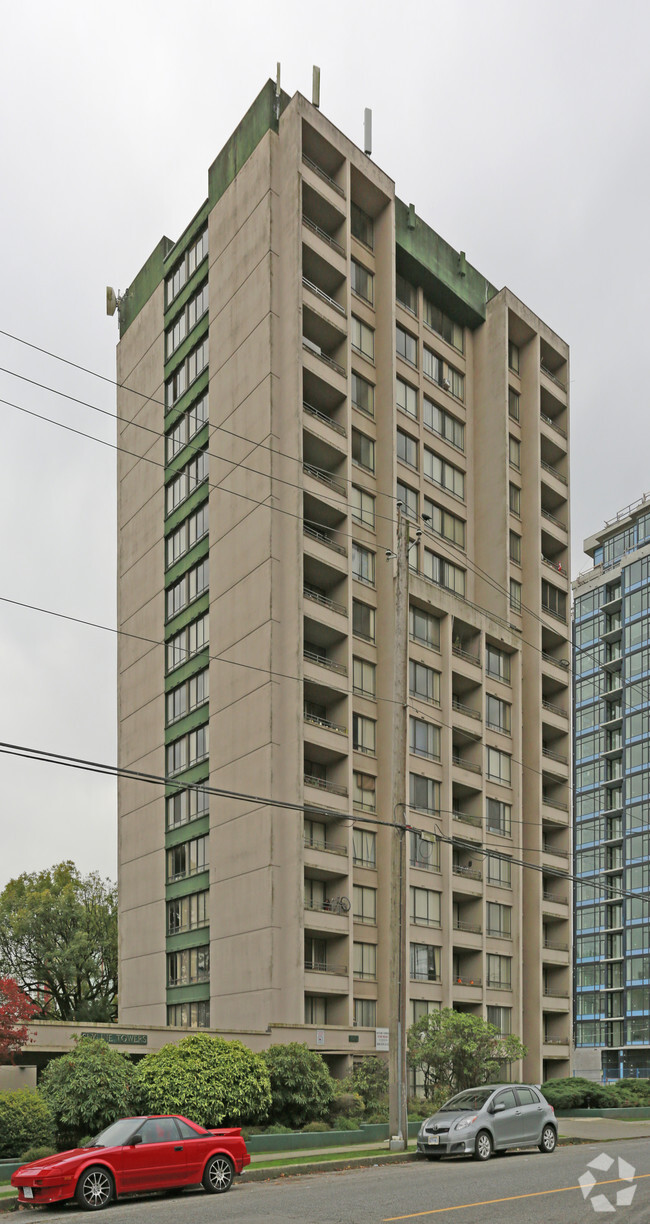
(381,1039)
(353,1036)
(320,1037)
(120,1038)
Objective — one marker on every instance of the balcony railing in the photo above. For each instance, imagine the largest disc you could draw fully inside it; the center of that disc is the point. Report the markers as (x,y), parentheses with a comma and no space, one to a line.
(549,421)
(467,819)
(325,601)
(466,654)
(468,928)
(323,538)
(551,896)
(317,721)
(459,760)
(317,351)
(553,612)
(324,477)
(464,709)
(556,566)
(553,519)
(557,1041)
(551,993)
(322,174)
(325,297)
(467,981)
(555,756)
(548,467)
(333,905)
(549,374)
(553,946)
(316,966)
(334,788)
(323,661)
(549,849)
(548,658)
(470,873)
(317,843)
(316,229)
(554,709)
(555,803)
(326,420)
(498,984)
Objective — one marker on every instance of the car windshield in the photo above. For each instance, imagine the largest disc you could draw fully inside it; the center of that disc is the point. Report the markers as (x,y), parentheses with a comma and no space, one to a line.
(116,1134)
(473,1098)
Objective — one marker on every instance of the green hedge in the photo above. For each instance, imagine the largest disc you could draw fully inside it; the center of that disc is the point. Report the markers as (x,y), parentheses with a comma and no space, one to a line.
(579,1093)
(25,1121)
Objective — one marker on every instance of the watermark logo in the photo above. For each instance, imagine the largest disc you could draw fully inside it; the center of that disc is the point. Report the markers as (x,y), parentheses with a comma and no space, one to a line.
(603,1164)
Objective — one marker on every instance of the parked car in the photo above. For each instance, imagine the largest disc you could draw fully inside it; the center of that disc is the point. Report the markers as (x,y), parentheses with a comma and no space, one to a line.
(480,1121)
(159,1152)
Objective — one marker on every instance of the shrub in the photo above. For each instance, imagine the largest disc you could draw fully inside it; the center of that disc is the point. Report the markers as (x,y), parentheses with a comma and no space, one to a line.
(370,1080)
(347,1105)
(25,1120)
(315,1128)
(276,1128)
(345,1124)
(302,1088)
(36,1153)
(87,1089)
(577,1093)
(208,1079)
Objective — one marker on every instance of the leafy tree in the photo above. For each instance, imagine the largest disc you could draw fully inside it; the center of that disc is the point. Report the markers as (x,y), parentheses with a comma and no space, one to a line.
(87,1089)
(58,940)
(370,1080)
(25,1119)
(15,1010)
(207,1079)
(302,1088)
(456,1050)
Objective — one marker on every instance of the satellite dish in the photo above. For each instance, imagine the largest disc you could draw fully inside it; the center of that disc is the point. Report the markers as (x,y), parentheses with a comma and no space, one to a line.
(112,300)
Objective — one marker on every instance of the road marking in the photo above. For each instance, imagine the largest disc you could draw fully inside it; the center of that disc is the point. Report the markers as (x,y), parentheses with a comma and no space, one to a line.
(510,1199)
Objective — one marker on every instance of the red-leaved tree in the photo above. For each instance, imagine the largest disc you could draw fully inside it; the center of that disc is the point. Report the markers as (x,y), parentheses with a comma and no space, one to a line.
(16,1009)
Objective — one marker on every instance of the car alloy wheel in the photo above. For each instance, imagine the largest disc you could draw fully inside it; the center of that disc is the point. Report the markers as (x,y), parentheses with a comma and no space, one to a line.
(483,1147)
(218,1175)
(549,1139)
(94,1189)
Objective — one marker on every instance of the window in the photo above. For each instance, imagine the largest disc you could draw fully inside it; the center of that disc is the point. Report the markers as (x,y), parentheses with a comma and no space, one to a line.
(424,682)
(189,1015)
(406,293)
(499,920)
(501,1018)
(362,338)
(497,714)
(513,356)
(363,450)
(186,320)
(364,848)
(432,365)
(444,424)
(362,507)
(515,499)
(363,734)
(190,965)
(424,627)
(361,226)
(498,766)
(315,1009)
(422,1007)
(444,523)
(407,449)
(498,817)
(363,620)
(186,481)
(363,395)
(362,282)
(443,573)
(425,906)
(365,1013)
(186,267)
(187,913)
(187,589)
(515,547)
(424,793)
(424,963)
(553,600)
(444,474)
(514,452)
(513,404)
(364,960)
(499,971)
(497,663)
(193,529)
(515,595)
(364,680)
(186,373)
(409,499)
(187,859)
(364,791)
(364,904)
(407,398)
(498,870)
(407,346)
(424,739)
(439,322)
(424,851)
(188,696)
(185,805)
(187,642)
(187,751)
(363,564)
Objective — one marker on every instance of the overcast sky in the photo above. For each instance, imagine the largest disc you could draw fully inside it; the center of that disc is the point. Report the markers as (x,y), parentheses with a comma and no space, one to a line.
(518,129)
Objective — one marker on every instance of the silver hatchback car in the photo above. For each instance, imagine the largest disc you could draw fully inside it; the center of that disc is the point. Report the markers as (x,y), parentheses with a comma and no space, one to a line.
(480,1121)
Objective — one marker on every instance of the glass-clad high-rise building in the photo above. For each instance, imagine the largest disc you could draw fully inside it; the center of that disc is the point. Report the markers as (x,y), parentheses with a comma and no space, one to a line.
(612,798)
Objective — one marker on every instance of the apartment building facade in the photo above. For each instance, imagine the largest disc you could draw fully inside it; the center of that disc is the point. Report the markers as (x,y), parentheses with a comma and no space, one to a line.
(308,354)
(611,645)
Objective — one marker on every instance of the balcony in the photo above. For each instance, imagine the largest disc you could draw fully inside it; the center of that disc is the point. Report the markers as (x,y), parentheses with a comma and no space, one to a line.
(324,538)
(469,656)
(547,373)
(554,709)
(464,763)
(327,917)
(324,784)
(323,217)
(323,175)
(467,873)
(461,708)
(324,419)
(322,659)
(323,235)
(554,519)
(467,928)
(325,478)
(547,420)
(323,296)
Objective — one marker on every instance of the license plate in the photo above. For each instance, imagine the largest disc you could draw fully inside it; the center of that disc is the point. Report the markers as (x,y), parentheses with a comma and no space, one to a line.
(28,1192)
(433,1138)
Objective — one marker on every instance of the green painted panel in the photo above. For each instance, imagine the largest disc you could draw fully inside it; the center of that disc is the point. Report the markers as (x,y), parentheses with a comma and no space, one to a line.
(192,612)
(188,452)
(198,718)
(182,888)
(140,290)
(186,239)
(192,393)
(185,563)
(197,938)
(190,777)
(174,837)
(188,507)
(188,994)
(258,120)
(197,663)
(424,258)
(187,291)
(199,330)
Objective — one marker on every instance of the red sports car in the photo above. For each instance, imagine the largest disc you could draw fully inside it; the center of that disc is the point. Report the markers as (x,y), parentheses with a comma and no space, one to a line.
(159,1152)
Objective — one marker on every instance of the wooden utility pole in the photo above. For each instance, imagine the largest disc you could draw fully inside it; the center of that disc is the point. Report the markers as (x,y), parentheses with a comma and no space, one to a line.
(398,1117)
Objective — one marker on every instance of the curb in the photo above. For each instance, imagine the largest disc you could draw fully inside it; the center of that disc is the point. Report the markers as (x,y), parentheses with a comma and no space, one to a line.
(322,1166)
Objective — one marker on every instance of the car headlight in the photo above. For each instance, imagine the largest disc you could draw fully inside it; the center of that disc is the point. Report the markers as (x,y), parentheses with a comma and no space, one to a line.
(465,1122)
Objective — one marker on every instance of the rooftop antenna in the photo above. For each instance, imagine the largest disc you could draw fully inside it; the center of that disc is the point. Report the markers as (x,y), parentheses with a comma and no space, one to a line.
(367,131)
(277,92)
(315,87)
(114,301)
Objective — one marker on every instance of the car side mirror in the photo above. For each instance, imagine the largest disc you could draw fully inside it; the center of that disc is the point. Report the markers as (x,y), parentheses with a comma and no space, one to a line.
(497,1108)
(134,1139)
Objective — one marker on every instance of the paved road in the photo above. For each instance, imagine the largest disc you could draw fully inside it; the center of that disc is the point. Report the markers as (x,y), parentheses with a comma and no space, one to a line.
(518,1187)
